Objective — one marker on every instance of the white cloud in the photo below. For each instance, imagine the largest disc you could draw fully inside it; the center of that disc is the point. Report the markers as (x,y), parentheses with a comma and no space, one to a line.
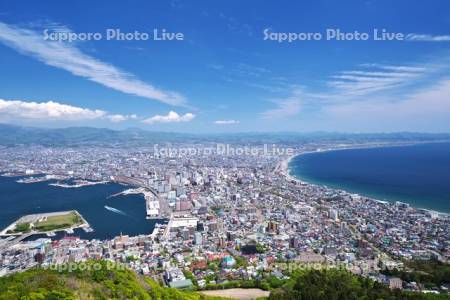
(66,56)
(396,68)
(285,107)
(120,118)
(427,38)
(374,78)
(377,97)
(16,109)
(373,96)
(426,109)
(247,70)
(171,117)
(375,74)
(226,122)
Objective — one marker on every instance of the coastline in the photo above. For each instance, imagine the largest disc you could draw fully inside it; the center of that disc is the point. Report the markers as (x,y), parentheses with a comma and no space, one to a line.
(284,169)
(283,166)
(89,201)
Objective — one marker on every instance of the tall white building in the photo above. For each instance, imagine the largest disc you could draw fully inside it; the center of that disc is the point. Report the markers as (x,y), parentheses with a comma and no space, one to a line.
(198,238)
(334,214)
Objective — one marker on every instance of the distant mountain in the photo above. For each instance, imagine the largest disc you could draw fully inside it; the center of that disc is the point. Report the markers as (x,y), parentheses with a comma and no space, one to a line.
(11,135)
(15,135)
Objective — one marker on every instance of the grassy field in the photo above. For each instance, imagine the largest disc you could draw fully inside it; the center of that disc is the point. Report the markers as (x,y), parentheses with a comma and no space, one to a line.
(22,227)
(51,222)
(59,222)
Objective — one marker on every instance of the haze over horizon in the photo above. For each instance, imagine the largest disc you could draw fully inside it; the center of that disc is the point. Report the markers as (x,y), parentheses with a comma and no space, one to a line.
(225,75)
(243,132)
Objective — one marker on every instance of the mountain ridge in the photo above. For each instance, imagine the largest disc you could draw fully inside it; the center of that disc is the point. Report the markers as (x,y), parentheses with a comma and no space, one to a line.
(12,135)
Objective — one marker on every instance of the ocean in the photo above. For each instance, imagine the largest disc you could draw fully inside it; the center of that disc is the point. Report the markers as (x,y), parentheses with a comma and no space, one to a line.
(107,216)
(417,174)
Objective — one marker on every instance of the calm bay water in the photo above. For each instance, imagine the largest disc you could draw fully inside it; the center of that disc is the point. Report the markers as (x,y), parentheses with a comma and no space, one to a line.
(419,174)
(18,199)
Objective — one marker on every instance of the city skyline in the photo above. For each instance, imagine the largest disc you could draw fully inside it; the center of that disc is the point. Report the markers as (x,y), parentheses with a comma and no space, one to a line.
(219,68)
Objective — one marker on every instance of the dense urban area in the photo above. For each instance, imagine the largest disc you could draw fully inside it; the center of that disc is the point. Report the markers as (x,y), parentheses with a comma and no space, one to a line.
(230,216)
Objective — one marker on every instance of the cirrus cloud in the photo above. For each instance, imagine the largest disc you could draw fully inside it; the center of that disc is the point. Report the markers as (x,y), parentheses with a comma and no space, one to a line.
(419,110)
(427,38)
(66,56)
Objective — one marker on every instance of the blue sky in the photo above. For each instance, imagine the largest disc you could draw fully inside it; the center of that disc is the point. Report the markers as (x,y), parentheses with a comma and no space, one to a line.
(224,76)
